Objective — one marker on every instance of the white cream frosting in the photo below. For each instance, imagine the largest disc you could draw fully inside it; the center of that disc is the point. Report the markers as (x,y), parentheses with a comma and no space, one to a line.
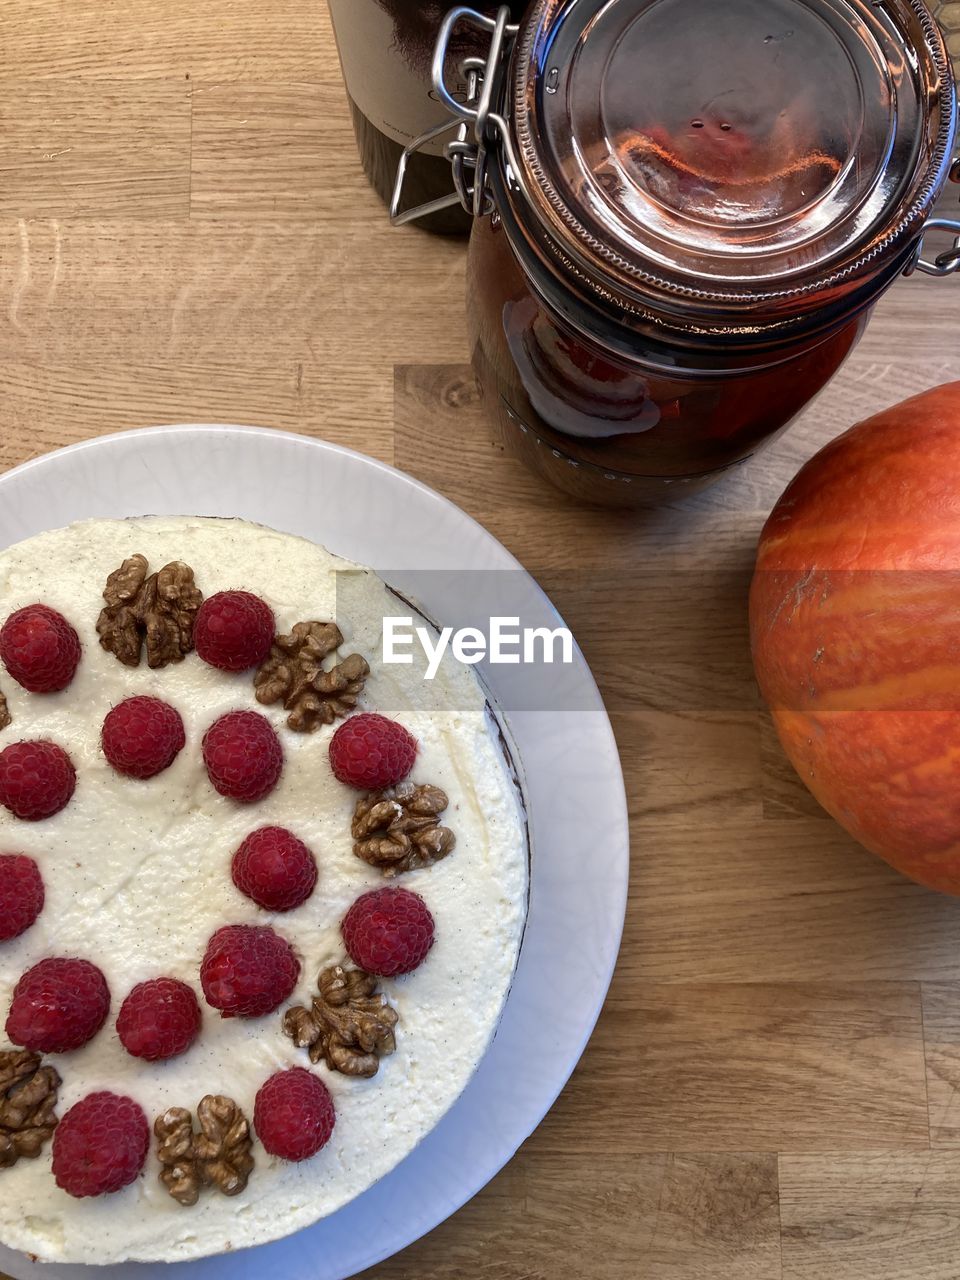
(138,876)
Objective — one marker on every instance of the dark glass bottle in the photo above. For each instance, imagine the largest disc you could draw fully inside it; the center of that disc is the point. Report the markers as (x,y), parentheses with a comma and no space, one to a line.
(386,47)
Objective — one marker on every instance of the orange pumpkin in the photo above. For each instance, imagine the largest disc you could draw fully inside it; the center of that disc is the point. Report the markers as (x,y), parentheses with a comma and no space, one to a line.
(855,625)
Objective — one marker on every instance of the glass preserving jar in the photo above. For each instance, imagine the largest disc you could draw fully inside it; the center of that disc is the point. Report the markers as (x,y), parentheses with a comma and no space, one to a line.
(685,212)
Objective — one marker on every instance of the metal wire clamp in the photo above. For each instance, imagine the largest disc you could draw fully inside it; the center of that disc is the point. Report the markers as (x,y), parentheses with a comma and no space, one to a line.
(474,120)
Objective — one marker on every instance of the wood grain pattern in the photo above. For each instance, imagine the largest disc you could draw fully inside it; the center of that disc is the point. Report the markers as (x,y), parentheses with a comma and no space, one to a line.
(678,1217)
(941,1027)
(262,151)
(772,1089)
(754,1067)
(104,150)
(143,40)
(859,1216)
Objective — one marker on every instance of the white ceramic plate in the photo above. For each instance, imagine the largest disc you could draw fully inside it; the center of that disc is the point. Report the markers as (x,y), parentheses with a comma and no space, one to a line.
(568,758)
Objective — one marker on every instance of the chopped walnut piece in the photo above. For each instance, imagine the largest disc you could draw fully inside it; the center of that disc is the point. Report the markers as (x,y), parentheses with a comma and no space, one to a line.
(218,1156)
(349,1023)
(294,674)
(398,829)
(5,716)
(179,1175)
(223,1145)
(158,611)
(28,1100)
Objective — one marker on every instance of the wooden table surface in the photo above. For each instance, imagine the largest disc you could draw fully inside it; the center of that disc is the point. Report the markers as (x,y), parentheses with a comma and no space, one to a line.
(772,1090)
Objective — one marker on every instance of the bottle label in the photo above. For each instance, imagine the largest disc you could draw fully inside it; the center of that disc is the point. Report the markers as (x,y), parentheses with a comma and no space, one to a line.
(386,47)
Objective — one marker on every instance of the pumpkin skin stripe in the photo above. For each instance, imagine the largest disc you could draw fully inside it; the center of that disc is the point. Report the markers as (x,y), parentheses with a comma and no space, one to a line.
(859,631)
(855,628)
(931,689)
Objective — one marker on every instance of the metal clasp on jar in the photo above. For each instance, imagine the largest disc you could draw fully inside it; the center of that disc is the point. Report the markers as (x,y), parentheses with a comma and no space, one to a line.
(475,121)
(946,263)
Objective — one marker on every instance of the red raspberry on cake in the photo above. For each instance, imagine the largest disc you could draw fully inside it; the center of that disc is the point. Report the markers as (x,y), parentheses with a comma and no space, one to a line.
(388,931)
(142,736)
(21,894)
(234,630)
(159,1019)
(275,869)
(293,1114)
(37,779)
(243,756)
(370,752)
(58,1005)
(40,649)
(248,971)
(100,1145)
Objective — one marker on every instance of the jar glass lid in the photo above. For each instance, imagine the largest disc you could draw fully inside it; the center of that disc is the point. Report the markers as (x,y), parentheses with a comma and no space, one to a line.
(731,146)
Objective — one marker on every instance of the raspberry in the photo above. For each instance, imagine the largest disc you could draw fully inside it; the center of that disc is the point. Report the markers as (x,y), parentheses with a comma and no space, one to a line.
(21,894)
(58,1005)
(388,931)
(243,756)
(100,1145)
(293,1114)
(37,779)
(275,869)
(40,649)
(159,1019)
(234,630)
(371,752)
(142,736)
(248,970)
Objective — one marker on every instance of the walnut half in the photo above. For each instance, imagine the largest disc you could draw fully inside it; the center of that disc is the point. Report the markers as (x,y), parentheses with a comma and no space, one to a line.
(28,1100)
(294,674)
(5,716)
(399,829)
(157,611)
(217,1156)
(349,1023)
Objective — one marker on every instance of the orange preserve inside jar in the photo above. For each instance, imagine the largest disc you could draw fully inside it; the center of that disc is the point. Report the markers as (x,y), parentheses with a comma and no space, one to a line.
(687,211)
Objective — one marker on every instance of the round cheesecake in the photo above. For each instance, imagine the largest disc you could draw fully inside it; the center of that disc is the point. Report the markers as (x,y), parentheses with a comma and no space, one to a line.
(137,876)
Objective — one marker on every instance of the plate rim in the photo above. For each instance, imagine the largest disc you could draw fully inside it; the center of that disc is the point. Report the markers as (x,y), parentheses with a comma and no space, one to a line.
(271,433)
(618,887)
